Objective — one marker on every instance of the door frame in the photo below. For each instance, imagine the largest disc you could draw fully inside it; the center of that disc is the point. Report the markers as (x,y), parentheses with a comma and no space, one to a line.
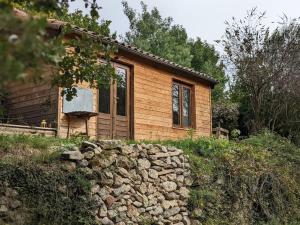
(129,98)
(114,100)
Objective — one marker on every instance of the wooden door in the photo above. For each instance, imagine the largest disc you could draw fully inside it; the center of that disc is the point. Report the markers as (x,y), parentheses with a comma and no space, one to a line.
(113,118)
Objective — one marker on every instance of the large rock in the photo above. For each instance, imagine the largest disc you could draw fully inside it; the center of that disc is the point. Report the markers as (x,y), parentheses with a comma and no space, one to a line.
(169,186)
(171,212)
(144,164)
(106,221)
(86,144)
(72,155)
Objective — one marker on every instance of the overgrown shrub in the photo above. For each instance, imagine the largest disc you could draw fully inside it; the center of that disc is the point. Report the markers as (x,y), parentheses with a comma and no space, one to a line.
(255,181)
(50,196)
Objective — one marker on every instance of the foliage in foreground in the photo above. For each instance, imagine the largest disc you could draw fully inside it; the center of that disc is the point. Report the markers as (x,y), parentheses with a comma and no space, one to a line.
(49,197)
(50,194)
(255,181)
(37,149)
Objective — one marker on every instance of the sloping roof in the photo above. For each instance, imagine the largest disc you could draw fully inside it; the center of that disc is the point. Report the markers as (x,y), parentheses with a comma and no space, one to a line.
(56,24)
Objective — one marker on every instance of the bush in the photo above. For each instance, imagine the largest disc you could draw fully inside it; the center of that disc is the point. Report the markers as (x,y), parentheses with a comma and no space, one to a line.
(255,181)
(50,196)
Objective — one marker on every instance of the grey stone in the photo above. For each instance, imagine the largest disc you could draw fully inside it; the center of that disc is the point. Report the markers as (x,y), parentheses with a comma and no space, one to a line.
(86,144)
(169,204)
(171,196)
(137,204)
(104,192)
(145,175)
(122,209)
(169,186)
(153,174)
(97,151)
(144,164)
(184,192)
(157,211)
(176,218)
(106,221)
(102,211)
(112,214)
(123,172)
(171,212)
(72,155)
(83,163)
(186,220)
(89,155)
(123,189)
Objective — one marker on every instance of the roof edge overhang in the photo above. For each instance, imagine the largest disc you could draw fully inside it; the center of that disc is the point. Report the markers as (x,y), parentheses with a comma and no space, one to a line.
(58,25)
(180,70)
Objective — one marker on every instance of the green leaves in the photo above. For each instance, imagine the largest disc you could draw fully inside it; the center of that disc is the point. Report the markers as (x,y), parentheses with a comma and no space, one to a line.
(152,33)
(26,48)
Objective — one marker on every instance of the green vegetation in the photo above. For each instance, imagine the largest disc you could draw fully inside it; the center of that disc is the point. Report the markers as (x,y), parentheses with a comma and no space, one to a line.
(254,181)
(50,195)
(153,33)
(25,47)
(14,148)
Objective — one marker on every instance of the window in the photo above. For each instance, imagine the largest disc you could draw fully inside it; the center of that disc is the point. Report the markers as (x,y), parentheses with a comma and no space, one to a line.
(121,91)
(104,98)
(181,101)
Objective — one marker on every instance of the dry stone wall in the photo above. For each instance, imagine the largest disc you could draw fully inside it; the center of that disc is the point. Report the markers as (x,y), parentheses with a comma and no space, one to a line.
(135,183)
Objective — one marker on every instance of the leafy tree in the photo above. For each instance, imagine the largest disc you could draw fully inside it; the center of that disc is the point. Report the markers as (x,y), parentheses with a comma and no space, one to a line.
(152,33)
(25,47)
(207,60)
(266,78)
(225,114)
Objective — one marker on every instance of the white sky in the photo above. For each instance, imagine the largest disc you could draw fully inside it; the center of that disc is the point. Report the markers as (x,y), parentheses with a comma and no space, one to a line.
(201,18)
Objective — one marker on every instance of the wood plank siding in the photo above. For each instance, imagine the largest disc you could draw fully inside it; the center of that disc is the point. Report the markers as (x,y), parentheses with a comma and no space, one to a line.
(156,90)
(29,104)
(153,102)
(150,105)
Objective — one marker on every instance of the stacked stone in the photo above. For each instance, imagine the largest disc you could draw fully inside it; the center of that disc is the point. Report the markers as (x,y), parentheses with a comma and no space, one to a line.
(136,183)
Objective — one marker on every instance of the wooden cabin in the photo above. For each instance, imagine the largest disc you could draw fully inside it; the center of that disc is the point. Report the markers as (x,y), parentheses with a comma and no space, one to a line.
(157,100)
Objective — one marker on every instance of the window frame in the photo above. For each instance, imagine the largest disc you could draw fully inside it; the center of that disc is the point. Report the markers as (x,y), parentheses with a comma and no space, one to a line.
(182,85)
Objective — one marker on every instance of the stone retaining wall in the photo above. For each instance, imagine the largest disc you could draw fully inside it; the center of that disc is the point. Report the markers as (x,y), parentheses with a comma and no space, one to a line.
(135,183)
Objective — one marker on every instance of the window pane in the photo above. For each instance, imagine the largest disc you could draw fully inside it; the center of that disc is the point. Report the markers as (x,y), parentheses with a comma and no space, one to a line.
(104,98)
(121,92)
(176,108)
(186,107)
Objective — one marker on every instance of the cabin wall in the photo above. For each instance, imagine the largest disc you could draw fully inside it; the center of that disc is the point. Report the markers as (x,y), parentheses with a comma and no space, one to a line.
(29,104)
(153,103)
(152,108)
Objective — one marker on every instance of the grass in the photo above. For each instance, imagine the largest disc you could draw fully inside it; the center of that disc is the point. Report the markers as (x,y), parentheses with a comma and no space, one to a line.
(49,194)
(39,149)
(254,181)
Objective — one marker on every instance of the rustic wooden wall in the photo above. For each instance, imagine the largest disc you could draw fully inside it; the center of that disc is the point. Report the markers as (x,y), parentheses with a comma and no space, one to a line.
(29,104)
(152,105)
(153,102)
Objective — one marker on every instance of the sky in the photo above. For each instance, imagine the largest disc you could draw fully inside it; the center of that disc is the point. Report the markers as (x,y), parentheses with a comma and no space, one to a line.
(201,18)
